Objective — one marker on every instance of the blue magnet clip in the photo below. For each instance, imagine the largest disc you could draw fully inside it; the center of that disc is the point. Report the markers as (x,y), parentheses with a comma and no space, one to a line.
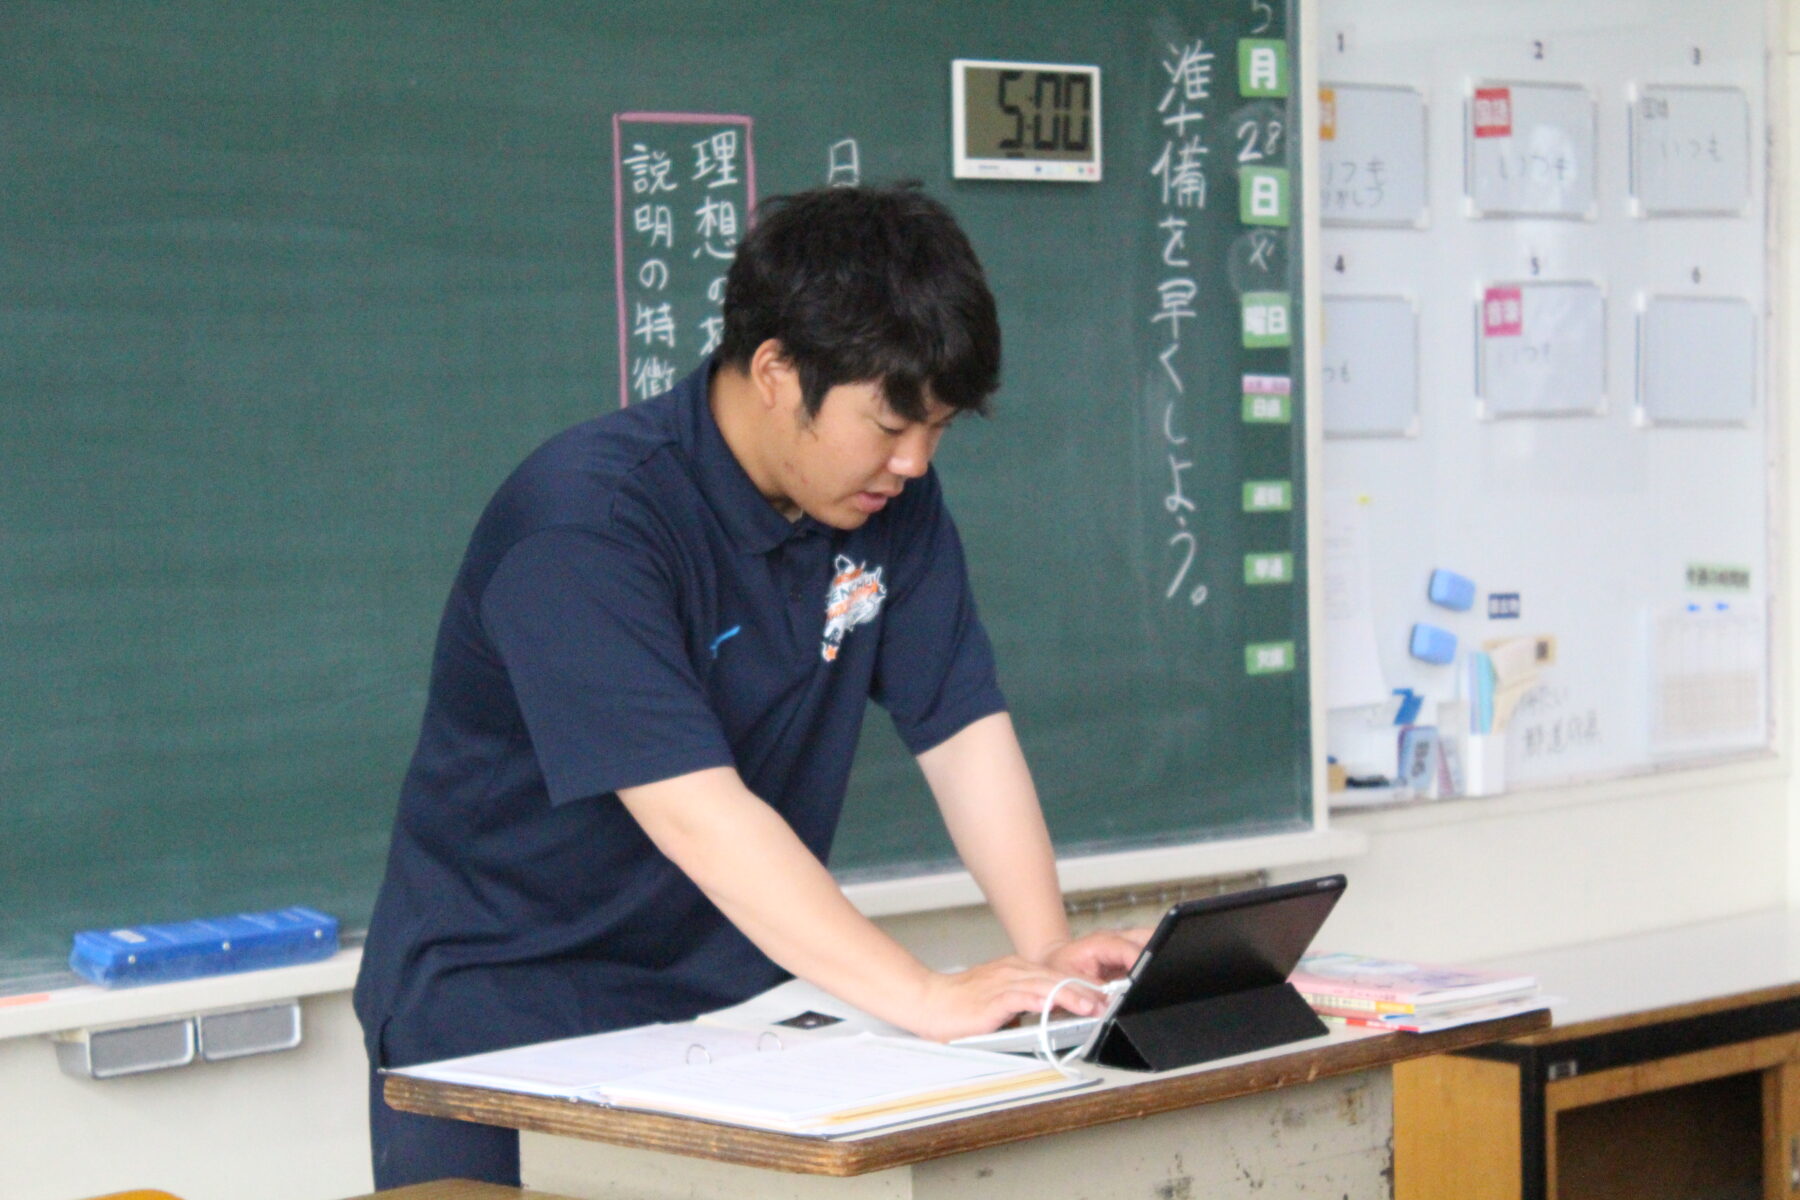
(1451,590)
(1433,645)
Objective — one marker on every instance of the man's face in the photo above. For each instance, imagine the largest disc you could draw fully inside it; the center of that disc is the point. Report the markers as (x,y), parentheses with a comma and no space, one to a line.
(845,464)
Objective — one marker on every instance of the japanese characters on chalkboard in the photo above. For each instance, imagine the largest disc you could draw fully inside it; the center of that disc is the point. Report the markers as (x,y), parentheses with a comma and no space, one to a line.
(683,188)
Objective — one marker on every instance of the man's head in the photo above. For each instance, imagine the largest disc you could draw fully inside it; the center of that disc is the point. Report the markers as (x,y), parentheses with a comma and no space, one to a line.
(866,285)
(858,324)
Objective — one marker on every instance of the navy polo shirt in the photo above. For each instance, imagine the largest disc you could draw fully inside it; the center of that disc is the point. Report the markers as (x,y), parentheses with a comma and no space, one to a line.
(631,609)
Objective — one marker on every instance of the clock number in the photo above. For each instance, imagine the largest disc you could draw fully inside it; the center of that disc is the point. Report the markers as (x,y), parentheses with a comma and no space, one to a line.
(1061,112)
(1072,82)
(1058,117)
(1017,140)
(1696,56)
(1537,50)
(1340,266)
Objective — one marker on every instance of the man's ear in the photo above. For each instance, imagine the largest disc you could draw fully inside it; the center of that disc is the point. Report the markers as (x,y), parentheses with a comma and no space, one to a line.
(774,376)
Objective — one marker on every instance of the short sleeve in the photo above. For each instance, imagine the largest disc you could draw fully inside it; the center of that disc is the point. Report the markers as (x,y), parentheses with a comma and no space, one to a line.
(935,669)
(589,630)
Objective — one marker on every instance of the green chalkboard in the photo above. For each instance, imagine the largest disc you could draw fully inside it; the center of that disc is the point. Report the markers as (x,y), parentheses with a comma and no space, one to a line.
(286,289)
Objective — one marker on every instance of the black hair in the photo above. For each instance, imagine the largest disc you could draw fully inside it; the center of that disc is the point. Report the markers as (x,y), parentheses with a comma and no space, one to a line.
(866,284)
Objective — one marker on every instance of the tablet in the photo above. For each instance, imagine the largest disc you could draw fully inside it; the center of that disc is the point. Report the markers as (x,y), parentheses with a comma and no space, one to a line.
(1212,979)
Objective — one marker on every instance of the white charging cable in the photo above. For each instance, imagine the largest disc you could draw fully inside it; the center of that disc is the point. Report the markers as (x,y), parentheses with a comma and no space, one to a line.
(1047,1052)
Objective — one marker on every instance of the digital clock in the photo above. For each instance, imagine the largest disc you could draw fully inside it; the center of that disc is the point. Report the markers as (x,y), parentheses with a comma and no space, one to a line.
(1016,120)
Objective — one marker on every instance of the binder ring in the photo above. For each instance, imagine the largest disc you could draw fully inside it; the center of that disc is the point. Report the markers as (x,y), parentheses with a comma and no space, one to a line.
(705,1055)
(772,1036)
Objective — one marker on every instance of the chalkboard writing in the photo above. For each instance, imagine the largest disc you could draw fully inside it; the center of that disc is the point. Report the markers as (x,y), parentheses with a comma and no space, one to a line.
(683,189)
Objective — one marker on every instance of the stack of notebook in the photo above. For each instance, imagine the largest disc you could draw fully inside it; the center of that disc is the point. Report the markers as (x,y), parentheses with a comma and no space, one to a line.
(1412,997)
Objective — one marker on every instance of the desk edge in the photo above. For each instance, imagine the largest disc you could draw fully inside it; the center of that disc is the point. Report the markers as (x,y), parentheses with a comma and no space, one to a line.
(956,1135)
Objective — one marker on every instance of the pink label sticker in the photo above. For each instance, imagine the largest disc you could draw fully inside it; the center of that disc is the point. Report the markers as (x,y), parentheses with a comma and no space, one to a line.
(1268,385)
(1503,312)
(1493,112)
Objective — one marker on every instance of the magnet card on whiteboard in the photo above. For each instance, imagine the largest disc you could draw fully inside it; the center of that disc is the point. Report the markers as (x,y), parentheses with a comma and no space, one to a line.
(1696,361)
(1372,164)
(1431,644)
(1529,150)
(1690,151)
(1543,349)
(1447,589)
(1370,351)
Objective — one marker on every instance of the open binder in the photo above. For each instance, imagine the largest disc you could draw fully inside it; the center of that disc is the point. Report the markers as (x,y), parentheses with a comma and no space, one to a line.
(1212,980)
(811,1085)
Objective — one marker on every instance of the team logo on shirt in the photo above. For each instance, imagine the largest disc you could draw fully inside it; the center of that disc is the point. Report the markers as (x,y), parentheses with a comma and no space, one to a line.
(854,599)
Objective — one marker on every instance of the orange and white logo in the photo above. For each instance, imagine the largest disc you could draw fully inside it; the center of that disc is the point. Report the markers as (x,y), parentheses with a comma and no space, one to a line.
(854,599)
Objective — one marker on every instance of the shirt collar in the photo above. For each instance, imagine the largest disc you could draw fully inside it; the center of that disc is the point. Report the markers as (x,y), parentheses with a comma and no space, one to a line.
(748,517)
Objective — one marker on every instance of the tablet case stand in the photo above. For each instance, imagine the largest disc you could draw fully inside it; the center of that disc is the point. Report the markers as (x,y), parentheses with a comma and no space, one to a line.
(1196,1031)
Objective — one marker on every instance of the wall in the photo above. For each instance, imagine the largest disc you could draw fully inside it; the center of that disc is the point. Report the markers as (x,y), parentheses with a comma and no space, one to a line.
(1460,879)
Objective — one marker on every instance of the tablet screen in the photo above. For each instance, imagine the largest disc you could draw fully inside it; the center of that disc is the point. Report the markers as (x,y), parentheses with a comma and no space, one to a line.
(1229,943)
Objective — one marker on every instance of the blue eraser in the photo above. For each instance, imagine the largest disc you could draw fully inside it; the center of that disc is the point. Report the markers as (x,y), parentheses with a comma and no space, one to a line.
(1433,645)
(215,946)
(1451,590)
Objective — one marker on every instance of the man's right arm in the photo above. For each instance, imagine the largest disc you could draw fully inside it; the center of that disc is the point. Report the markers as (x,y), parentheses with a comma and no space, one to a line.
(752,866)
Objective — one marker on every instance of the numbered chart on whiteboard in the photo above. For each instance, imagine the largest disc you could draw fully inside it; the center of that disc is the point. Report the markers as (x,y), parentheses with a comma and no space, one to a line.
(1370,353)
(1371,156)
(1696,361)
(1690,151)
(1552,383)
(1530,150)
(1543,349)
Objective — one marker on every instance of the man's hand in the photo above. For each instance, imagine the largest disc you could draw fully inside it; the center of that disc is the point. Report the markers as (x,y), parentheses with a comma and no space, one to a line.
(983,998)
(1101,957)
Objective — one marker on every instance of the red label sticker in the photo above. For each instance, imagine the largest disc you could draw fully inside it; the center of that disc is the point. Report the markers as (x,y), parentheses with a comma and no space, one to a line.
(1493,112)
(1503,312)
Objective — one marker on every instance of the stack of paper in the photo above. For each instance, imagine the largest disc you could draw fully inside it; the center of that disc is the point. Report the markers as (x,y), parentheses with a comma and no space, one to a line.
(1377,993)
(824,1087)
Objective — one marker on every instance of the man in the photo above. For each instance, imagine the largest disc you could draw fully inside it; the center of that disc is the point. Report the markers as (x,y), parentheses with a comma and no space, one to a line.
(652,670)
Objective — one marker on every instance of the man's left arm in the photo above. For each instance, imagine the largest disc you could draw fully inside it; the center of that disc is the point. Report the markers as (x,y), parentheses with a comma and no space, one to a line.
(983,788)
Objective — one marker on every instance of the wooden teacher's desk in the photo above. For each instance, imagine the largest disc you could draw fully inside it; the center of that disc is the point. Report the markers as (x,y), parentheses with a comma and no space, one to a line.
(1672,1071)
(1311,1119)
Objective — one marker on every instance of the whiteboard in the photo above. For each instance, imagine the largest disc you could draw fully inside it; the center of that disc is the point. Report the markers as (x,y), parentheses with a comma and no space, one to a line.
(1696,361)
(1530,150)
(1543,349)
(1370,364)
(1690,151)
(1590,528)
(1371,155)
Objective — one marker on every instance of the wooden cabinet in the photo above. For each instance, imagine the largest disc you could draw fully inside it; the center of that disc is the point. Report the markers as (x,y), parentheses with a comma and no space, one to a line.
(1670,1103)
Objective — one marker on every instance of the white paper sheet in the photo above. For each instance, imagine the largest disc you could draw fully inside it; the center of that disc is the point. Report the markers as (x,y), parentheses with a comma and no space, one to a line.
(1352,667)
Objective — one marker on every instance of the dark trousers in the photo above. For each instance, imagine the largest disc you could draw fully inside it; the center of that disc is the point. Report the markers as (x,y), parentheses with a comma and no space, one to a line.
(407,1148)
